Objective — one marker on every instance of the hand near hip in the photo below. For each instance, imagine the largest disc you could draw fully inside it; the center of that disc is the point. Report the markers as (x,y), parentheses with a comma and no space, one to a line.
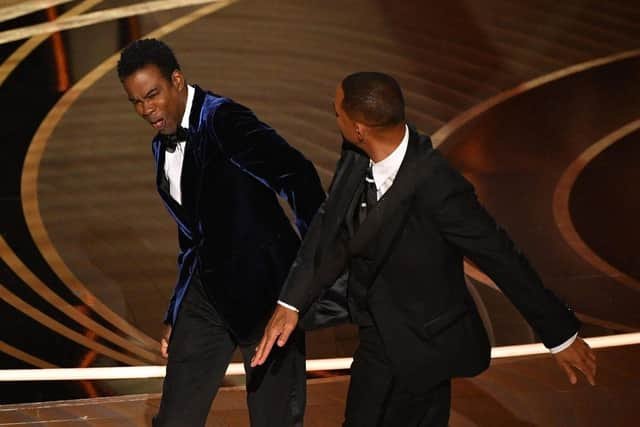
(283,322)
(578,356)
(164,342)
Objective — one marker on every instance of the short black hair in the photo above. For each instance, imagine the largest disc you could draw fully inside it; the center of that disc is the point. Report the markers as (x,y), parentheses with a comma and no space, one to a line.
(145,52)
(375,97)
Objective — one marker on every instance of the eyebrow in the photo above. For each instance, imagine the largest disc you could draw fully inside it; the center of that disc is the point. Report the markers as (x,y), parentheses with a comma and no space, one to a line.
(145,96)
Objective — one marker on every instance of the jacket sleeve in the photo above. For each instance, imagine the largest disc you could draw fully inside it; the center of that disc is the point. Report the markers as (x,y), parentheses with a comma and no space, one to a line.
(258,149)
(323,256)
(467,225)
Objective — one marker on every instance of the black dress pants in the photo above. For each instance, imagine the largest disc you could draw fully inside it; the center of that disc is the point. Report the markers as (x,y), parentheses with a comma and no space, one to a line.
(200,349)
(376,398)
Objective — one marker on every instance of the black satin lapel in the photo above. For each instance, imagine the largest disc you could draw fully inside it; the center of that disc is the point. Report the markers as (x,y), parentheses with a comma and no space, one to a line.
(350,212)
(348,178)
(161,178)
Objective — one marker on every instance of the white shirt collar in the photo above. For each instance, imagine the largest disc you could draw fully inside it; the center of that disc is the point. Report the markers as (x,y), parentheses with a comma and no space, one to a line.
(385,171)
(187,110)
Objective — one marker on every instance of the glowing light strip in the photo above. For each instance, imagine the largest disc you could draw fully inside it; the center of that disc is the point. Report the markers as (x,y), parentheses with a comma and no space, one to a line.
(27,7)
(62,24)
(138,372)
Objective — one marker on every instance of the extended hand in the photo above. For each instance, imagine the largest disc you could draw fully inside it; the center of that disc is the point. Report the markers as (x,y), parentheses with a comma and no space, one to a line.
(578,355)
(282,323)
(164,342)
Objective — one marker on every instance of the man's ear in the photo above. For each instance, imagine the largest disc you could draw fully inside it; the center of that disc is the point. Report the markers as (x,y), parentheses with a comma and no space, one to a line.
(177,79)
(360,131)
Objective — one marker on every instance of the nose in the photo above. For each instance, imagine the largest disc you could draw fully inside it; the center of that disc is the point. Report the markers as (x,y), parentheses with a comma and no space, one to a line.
(145,108)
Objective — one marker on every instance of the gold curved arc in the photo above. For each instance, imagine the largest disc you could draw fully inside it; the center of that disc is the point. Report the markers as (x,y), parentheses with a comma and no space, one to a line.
(25,357)
(561,206)
(68,23)
(29,181)
(54,325)
(27,276)
(26,7)
(460,120)
(477,275)
(27,47)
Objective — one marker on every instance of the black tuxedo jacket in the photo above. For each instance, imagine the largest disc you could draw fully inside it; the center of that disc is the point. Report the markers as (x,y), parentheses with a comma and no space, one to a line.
(231,228)
(412,247)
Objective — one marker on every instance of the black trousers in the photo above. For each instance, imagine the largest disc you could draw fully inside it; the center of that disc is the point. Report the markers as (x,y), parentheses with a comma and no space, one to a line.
(200,349)
(376,398)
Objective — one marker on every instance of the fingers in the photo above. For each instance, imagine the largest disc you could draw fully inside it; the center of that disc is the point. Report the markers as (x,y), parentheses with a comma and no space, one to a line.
(578,356)
(586,361)
(587,366)
(278,330)
(286,333)
(264,348)
(164,342)
(570,374)
(164,348)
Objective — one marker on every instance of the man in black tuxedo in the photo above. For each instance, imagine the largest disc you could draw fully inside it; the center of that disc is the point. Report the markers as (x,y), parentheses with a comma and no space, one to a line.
(219,170)
(399,220)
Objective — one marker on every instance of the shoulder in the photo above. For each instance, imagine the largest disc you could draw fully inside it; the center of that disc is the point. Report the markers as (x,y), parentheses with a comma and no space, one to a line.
(438,180)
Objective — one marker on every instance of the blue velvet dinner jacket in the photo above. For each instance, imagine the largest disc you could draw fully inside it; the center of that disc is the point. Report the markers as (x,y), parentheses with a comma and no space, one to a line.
(232,230)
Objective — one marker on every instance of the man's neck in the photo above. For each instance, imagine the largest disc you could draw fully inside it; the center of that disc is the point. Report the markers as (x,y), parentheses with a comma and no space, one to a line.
(383,142)
(183,102)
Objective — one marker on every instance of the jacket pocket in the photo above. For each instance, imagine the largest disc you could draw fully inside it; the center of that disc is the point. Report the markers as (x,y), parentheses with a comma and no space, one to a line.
(445,320)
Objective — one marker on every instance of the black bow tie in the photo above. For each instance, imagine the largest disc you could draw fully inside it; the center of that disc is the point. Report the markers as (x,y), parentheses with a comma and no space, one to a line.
(170,141)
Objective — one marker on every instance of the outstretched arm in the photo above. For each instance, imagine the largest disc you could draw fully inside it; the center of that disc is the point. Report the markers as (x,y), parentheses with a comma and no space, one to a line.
(468,226)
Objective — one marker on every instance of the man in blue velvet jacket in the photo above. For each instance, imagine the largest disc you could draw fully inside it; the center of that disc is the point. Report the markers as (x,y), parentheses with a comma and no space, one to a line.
(219,170)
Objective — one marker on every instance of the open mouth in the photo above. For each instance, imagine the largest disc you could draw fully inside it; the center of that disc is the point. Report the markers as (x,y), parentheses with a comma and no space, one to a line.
(158,124)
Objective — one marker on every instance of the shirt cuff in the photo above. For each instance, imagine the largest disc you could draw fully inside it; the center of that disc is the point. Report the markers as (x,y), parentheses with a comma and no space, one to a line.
(290,307)
(564,345)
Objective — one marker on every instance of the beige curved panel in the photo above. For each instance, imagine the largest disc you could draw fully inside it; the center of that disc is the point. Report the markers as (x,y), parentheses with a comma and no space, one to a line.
(67,23)
(27,47)
(54,325)
(21,270)
(26,7)
(457,122)
(25,357)
(5,251)
(561,206)
(29,183)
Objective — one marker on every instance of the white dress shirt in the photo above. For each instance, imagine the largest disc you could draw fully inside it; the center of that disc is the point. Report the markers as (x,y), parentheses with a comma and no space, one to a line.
(384,173)
(173,160)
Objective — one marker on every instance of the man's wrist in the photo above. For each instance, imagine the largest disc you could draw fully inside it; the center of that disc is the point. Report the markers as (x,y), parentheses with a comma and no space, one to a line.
(289,306)
(564,345)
